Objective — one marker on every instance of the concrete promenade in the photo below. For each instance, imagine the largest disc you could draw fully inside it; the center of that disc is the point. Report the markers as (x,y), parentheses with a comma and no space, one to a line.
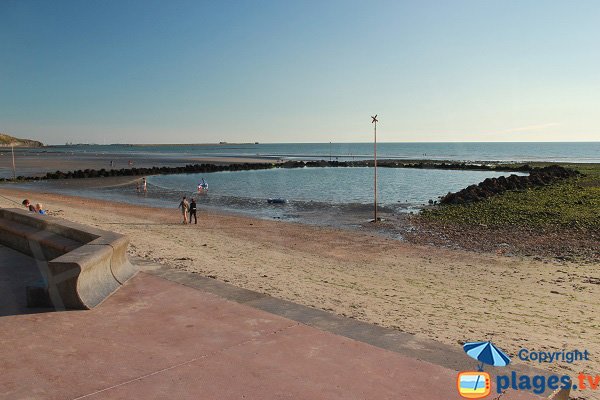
(159,339)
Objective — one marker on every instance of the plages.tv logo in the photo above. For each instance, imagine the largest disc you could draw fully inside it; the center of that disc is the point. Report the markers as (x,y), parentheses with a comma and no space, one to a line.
(478,384)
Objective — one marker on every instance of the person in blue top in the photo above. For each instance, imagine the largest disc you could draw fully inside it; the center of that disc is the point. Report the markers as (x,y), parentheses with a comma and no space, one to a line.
(39,210)
(202,186)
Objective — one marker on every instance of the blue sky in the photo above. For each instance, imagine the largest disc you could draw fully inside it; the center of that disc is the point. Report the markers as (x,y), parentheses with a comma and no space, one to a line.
(299,71)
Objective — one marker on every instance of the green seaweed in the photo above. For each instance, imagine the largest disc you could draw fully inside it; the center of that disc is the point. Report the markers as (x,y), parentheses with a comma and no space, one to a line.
(574,203)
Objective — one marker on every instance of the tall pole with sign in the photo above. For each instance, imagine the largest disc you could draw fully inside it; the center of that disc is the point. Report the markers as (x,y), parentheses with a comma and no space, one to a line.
(374,121)
(12,148)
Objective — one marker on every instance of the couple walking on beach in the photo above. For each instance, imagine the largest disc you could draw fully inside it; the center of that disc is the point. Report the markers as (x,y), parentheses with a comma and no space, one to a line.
(188,210)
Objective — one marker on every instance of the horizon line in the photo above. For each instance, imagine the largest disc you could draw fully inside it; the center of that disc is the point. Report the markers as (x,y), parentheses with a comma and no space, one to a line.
(330,142)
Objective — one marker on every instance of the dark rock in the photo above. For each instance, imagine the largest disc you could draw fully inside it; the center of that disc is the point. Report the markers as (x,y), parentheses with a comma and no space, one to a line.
(494,186)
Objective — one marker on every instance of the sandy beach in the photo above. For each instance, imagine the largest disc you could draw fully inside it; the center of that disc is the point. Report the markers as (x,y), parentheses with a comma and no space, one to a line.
(451,296)
(426,169)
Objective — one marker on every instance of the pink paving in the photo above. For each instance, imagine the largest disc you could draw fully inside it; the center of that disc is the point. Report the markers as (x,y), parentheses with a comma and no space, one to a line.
(156,339)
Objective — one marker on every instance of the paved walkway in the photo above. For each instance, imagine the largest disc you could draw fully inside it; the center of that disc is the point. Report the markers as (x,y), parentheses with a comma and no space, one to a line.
(158,339)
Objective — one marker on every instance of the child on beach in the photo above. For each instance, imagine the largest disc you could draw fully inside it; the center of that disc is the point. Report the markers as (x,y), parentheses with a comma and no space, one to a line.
(185,206)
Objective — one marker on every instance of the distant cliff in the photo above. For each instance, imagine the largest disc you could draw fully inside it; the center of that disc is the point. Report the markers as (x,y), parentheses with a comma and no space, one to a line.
(7,141)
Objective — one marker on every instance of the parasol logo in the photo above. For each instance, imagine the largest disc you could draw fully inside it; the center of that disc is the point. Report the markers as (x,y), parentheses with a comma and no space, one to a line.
(478,384)
(473,385)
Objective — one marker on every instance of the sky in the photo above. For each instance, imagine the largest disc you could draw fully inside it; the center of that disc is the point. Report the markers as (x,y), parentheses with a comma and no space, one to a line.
(146,71)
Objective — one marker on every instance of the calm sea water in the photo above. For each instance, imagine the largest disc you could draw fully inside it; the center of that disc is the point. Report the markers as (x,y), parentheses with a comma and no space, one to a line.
(396,186)
(330,196)
(326,196)
(319,195)
(557,152)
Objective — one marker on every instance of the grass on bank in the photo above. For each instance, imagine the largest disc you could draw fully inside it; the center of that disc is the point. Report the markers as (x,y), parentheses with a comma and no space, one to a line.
(574,203)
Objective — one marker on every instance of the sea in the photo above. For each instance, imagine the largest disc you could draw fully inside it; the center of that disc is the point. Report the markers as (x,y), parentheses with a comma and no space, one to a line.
(323,196)
(577,152)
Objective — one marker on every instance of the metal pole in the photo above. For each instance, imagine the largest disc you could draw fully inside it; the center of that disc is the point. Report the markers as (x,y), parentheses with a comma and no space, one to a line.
(12,147)
(375,159)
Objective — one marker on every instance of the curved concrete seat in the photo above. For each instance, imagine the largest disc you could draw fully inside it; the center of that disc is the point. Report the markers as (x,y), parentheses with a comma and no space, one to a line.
(84,264)
(18,236)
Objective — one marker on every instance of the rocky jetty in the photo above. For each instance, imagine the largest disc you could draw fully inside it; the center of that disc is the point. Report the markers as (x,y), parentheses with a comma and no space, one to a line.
(203,168)
(188,169)
(494,186)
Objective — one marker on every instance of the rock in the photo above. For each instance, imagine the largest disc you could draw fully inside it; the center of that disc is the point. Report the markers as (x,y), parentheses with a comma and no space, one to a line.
(494,186)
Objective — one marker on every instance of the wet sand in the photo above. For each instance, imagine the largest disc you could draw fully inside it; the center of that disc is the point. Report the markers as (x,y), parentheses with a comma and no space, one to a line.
(448,295)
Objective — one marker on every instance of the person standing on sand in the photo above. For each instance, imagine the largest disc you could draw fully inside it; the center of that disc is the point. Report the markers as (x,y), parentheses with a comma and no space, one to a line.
(193,211)
(145,185)
(185,206)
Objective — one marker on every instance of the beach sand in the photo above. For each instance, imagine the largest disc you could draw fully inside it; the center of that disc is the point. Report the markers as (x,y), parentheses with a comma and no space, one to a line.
(448,295)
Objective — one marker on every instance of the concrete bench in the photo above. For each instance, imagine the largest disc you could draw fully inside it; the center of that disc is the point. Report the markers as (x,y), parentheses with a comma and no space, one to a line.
(82,265)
